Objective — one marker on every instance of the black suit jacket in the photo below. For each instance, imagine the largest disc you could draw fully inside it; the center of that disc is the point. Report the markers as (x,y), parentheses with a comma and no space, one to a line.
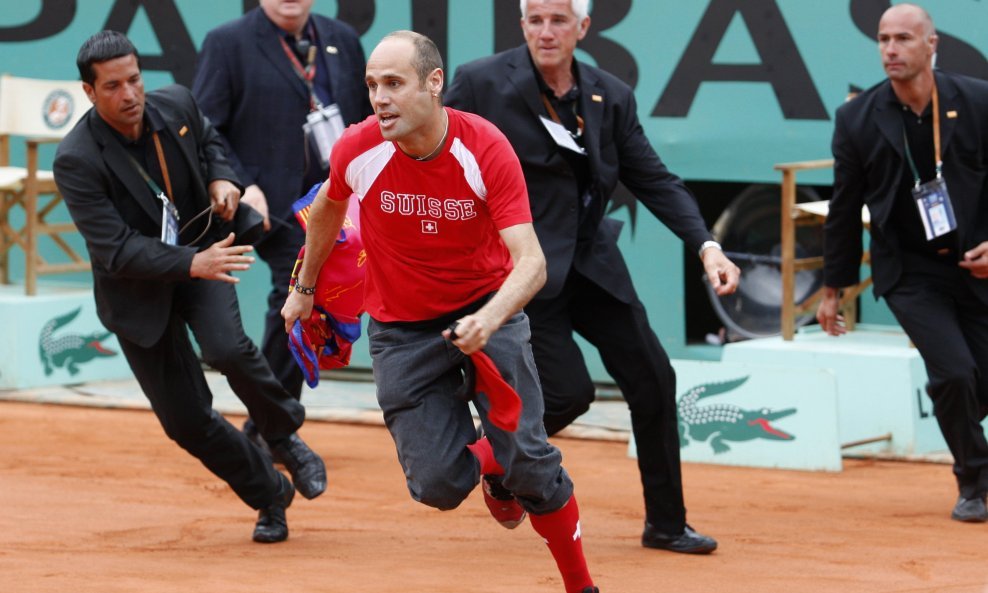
(134,273)
(246,86)
(869,165)
(503,89)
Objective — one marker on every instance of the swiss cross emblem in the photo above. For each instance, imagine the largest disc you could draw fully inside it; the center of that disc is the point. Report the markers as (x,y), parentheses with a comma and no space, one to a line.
(429,227)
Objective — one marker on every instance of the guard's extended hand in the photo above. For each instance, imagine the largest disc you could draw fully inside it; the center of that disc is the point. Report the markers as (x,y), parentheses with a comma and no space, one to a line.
(225,198)
(722,274)
(219,259)
(472,333)
(255,198)
(827,314)
(976,261)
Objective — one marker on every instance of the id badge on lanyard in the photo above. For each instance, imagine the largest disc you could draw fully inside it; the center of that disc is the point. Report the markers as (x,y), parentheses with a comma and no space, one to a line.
(169,213)
(324,125)
(562,136)
(935,209)
(169,221)
(932,198)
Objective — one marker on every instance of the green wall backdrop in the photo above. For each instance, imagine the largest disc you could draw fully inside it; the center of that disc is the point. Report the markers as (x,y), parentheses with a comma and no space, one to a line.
(725,88)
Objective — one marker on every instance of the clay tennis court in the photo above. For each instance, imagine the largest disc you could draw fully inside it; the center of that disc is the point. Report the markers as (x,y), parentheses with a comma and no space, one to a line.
(99,500)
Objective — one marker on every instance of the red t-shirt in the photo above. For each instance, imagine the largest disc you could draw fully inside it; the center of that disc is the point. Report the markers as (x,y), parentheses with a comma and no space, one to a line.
(430,228)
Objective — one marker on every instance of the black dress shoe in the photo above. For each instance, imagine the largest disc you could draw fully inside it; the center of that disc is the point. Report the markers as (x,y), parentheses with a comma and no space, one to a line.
(307,469)
(687,542)
(970,510)
(272,525)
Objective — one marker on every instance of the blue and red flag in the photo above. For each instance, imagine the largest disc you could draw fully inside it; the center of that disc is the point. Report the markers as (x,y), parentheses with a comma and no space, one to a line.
(325,339)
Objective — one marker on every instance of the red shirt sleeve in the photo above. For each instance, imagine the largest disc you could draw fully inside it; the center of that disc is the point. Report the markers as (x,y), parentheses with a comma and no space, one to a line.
(507,194)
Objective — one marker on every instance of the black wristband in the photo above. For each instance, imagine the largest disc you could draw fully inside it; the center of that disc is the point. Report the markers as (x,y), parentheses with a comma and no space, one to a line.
(306,290)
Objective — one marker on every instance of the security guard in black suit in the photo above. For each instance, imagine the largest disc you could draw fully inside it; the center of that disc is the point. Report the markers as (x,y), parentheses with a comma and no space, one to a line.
(914,149)
(131,172)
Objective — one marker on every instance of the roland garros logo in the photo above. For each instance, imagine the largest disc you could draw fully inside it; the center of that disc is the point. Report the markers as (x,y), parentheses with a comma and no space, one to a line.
(57,109)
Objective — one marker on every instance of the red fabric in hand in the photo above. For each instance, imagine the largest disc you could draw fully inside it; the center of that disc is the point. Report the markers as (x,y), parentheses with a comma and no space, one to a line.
(505,403)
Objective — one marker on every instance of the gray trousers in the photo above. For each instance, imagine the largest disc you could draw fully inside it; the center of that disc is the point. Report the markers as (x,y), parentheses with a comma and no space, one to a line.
(417,373)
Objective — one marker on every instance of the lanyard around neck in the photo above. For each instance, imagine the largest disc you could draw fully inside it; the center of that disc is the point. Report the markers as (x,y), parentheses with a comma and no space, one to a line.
(936,140)
(164,171)
(306,73)
(555,117)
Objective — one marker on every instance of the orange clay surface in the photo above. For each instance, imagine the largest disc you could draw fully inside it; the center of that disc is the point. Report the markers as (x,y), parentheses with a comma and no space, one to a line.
(101,501)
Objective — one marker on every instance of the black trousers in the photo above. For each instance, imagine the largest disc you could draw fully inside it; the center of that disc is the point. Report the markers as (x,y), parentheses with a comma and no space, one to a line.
(633,356)
(171,377)
(948,323)
(279,249)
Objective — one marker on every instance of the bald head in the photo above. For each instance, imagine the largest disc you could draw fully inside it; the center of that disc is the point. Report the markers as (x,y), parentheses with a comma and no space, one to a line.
(912,13)
(404,79)
(907,42)
(425,56)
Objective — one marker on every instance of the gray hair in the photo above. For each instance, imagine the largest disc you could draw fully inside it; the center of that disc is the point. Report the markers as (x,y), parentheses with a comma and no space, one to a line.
(579,7)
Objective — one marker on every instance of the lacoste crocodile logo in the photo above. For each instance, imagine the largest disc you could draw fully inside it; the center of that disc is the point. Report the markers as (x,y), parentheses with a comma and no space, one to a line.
(69,350)
(722,423)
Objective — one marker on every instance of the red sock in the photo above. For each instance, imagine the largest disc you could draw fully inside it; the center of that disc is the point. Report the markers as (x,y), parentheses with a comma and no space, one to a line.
(561,531)
(485,455)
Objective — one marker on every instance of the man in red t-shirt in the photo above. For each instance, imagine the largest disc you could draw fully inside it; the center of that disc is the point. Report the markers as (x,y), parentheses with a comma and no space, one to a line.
(446,224)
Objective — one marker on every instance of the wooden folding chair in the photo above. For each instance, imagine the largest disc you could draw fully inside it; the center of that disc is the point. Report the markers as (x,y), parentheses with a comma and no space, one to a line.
(41,112)
(800,214)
